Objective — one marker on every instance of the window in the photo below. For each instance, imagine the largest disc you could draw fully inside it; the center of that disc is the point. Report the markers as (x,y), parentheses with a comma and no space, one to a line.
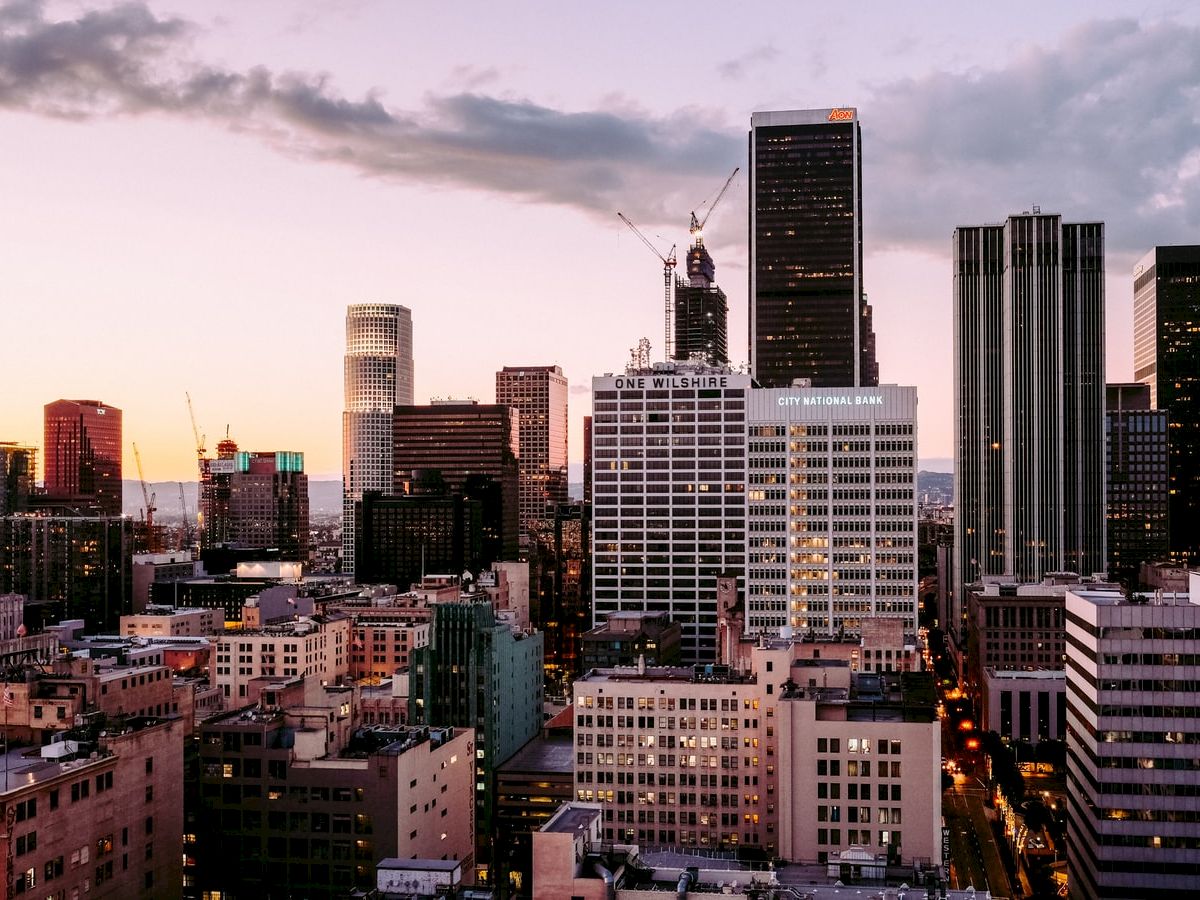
(149,765)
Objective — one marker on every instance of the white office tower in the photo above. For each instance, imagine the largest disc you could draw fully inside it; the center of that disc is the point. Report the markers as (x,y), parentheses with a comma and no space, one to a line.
(831,508)
(668,494)
(1133,728)
(379,376)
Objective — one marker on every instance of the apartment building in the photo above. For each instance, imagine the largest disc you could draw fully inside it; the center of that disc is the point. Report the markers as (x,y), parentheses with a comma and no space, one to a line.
(310,645)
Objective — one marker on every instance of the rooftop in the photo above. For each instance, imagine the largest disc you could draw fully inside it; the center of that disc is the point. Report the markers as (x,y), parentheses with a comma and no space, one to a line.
(572,819)
(554,755)
(702,674)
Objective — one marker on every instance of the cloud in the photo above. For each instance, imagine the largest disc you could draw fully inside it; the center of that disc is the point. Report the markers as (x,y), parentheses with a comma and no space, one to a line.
(126,61)
(1105,125)
(471,78)
(733,69)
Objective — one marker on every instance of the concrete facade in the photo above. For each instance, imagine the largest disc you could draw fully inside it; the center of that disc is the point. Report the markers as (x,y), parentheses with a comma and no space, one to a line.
(831,507)
(1133,723)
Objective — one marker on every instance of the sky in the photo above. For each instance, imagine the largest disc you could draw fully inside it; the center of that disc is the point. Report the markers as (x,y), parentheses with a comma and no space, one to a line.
(193,192)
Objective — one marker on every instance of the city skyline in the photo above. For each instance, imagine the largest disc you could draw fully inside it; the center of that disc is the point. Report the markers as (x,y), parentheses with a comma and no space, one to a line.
(135,204)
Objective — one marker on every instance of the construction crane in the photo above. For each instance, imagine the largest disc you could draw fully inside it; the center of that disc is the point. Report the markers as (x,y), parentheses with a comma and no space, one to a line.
(696,229)
(149,498)
(201,470)
(200,451)
(187,528)
(668,262)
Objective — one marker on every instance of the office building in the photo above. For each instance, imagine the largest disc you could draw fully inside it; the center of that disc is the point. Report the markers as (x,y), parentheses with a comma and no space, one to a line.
(530,788)
(99,814)
(539,395)
(587,460)
(474,447)
(560,588)
(400,539)
(378,376)
(315,645)
(632,639)
(668,494)
(1018,627)
(797,759)
(480,673)
(255,500)
(1029,706)
(809,316)
(572,860)
(1132,714)
(308,801)
(69,567)
(82,456)
(18,477)
(1137,480)
(831,508)
(1029,401)
(1166,356)
(700,311)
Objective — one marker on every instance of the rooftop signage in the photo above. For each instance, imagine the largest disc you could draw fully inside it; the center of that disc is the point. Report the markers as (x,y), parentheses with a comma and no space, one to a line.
(841,115)
(827,400)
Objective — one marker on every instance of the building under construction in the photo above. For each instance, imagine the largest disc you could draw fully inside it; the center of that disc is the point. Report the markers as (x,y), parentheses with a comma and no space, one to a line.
(257,500)
(700,311)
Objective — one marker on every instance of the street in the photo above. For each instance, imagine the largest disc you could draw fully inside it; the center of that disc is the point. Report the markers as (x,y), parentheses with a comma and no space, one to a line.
(974,857)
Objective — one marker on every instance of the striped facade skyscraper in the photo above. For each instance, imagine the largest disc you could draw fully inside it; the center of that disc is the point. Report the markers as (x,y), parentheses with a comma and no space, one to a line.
(1029,401)
(378,377)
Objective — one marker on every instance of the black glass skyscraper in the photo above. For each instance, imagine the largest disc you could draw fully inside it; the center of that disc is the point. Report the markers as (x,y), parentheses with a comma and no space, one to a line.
(809,316)
(1166,356)
(1136,462)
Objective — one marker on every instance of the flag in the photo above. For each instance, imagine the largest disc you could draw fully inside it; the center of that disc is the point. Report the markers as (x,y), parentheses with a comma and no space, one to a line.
(9,700)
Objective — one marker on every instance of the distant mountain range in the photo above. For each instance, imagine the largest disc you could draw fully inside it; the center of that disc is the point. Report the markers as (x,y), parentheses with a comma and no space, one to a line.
(324,497)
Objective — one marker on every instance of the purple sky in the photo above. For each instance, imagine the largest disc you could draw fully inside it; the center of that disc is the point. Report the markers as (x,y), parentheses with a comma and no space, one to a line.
(194,192)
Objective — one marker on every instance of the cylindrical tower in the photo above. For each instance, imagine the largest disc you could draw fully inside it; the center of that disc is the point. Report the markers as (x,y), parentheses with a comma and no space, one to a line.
(379,375)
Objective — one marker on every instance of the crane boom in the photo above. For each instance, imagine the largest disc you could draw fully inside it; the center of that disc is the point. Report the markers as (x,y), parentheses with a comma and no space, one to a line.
(142,480)
(668,262)
(195,431)
(697,227)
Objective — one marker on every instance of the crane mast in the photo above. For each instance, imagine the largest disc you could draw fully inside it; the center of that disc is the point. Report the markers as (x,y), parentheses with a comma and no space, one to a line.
(149,499)
(668,262)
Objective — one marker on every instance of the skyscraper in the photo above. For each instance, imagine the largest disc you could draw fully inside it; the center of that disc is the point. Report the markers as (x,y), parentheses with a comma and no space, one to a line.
(83,455)
(700,310)
(1136,454)
(1166,356)
(474,447)
(669,494)
(809,316)
(831,508)
(539,394)
(18,476)
(1132,713)
(379,375)
(256,500)
(1029,400)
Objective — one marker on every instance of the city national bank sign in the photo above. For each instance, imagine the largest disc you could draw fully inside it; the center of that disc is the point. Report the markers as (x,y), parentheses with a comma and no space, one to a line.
(821,400)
